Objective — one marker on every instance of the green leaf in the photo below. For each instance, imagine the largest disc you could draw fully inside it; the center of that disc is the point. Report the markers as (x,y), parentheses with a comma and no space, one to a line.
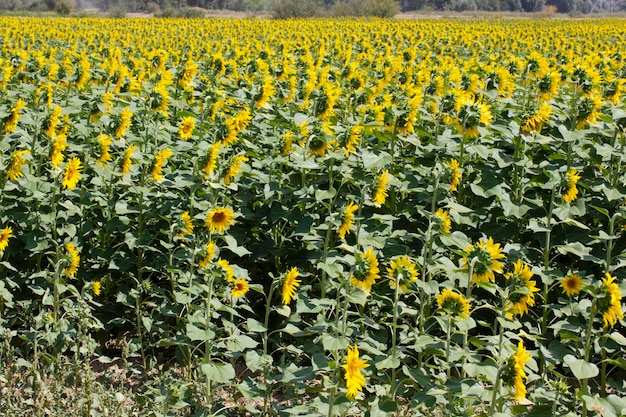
(220,373)
(372,160)
(240,342)
(335,343)
(196,333)
(255,326)
(581,368)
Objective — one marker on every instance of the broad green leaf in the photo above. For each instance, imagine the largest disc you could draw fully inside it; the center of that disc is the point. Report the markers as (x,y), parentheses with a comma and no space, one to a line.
(580,368)
(220,373)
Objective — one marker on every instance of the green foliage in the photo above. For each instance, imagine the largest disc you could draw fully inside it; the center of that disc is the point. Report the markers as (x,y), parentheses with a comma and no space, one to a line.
(118,12)
(291,9)
(63,7)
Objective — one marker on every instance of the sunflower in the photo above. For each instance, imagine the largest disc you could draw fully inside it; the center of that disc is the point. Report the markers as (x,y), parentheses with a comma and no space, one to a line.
(220,219)
(587,111)
(11,123)
(159,160)
(485,257)
(470,114)
(124,123)
(74,260)
(5,235)
(443,222)
(514,374)
(52,121)
(572,284)
(71,176)
(213,155)
(348,217)
(453,303)
(236,124)
(240,288)
(288,143)
(403,271)
(523,289)
(318,145)
(267,91)
(380,194)
(187,224)
(14,172)
(234,168)
(187,125)
(455,174)
(59,145)
(225,270)
(534,122)
(365,270)
(97,286)
(571,179)
(290,283)
(209,253)
(105,144)
(352,140)
(128,159)
(355,381)
(609,301)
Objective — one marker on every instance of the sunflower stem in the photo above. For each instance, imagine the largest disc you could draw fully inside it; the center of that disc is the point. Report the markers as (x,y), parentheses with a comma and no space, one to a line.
(266,321)
(546,265)
(207,345)
(496,384)
(394,348)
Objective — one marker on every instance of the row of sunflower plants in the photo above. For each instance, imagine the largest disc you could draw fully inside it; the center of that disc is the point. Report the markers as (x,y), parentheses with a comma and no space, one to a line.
(312,217)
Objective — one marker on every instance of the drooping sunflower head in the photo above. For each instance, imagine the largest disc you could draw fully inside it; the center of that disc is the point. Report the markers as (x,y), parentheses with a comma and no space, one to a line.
(365,271)
(533,121)
(290,283)
(572,284)
(455,174)
(355,381)
(513,374)
(380,193)
(453,304)
(609,301)
(484,256)
(522,289)
(220,219)
(570,190)
(471,114)
(185,225)
(402,271)
(224,271)
(442,221)
(588,108)
(348,219)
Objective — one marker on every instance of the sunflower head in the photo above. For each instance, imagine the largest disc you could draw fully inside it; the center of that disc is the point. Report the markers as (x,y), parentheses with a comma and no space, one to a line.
(485,257)
(403,271)
(609,301)
(219,219)
(522,289)
(240,288)
(572,284)
(453,304)
(365,271)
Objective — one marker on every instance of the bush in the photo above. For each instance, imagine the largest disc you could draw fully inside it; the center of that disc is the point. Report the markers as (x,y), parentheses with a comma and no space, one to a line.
(63,7)
(117,12)
(192,13)
(167,12)
(290,9)
(153,8)
(381,8)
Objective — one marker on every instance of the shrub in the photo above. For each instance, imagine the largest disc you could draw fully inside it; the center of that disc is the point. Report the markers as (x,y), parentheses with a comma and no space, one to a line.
(153,8)
(192,13)
(167,12)
(63,7)
(290,9)
(117,12)
(381,8)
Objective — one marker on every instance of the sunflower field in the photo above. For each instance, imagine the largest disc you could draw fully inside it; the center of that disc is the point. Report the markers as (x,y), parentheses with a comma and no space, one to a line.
(213,217)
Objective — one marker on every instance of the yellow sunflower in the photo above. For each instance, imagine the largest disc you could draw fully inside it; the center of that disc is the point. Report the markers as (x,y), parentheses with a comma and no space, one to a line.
(572,284)
(240,288)
(534,122)
(355,381)
(485,255)
(571,179)
(514,374)
(5,235)
(348,217)
(128,159)
(290,283)
(609,301)
(187,125)
(97,286)
(220,219)
(71,176)
(455,174)
(14,171)
(186,223)
(380,194)
(453,304)
(443,222)
(403,271)
(365,270)
(523,289)
(74,260)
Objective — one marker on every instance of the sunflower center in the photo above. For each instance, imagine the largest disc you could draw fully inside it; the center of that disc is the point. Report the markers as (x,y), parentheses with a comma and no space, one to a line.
(219,217)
